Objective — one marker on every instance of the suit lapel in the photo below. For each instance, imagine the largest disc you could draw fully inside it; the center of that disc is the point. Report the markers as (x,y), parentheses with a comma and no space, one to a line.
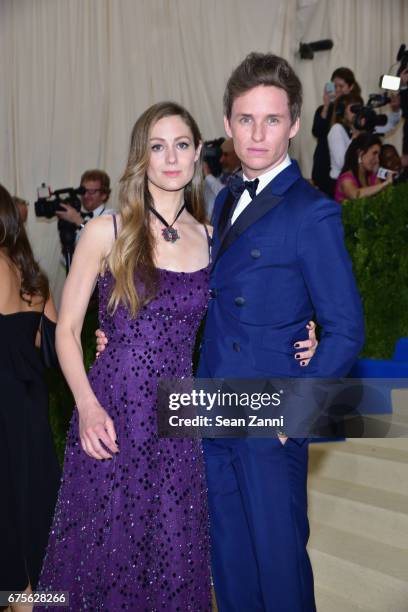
(259,206)
(225,214)
(269,197)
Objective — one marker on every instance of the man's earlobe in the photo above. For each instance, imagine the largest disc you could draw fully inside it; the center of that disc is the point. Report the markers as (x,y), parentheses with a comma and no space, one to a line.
(227,127)
(294,128)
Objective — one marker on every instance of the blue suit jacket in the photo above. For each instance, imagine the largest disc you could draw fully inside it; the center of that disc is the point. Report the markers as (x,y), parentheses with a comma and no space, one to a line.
(281,264)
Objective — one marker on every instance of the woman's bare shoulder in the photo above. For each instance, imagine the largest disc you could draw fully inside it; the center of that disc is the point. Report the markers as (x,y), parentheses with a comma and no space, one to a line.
(98,234)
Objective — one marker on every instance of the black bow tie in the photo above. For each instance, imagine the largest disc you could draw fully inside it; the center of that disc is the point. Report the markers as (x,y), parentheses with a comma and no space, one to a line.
(88,215)
(237,186)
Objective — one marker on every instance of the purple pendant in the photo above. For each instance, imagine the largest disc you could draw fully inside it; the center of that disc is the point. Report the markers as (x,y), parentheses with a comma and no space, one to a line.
(170,234)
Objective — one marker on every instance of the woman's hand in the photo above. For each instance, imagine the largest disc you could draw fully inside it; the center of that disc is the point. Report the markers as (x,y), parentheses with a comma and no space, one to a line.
(96,426)
(304,356)
(101,341)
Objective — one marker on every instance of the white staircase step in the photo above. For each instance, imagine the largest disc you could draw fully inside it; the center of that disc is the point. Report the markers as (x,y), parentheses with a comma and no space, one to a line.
(378,467)
(396,443)
(372,575)
(327,601)
(399,398)
(366,511)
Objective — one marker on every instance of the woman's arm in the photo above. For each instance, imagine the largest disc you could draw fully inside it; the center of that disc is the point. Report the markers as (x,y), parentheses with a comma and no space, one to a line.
(338,142)
(94,423)
(321,120)
(352,191)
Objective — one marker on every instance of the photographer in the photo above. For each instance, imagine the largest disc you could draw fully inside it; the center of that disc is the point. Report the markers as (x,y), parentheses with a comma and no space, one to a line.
(358,178)
(96,184)
(341,133)
(342,82)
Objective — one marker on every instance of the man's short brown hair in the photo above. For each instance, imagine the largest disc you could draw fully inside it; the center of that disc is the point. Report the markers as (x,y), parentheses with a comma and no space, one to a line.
(97,175)
(264,69)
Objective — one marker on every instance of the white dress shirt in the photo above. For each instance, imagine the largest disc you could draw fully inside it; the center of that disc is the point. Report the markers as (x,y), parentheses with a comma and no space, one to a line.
(264,180)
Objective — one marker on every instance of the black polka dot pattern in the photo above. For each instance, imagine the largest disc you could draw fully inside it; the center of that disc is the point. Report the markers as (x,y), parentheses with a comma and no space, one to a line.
(131,533)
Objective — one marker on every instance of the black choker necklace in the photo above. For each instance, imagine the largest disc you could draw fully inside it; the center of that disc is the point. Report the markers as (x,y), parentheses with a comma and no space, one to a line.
(169,233)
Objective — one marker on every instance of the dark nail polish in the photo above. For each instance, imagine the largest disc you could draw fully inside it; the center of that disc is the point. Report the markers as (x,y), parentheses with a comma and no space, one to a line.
(303,363)
(297,356)
(297,345)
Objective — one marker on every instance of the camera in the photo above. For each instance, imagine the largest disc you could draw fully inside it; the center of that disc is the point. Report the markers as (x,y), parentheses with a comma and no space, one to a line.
(211,155)
(365,116)
(47,205)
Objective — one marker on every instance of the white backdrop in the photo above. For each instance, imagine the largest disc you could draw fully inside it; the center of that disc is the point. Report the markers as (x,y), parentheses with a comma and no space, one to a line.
(75,75)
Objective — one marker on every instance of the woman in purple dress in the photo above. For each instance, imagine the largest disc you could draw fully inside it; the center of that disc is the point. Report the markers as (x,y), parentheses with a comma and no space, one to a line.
(131,530)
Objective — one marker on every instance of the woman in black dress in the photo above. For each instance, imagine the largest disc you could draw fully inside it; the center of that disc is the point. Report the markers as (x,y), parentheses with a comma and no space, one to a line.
(29,471)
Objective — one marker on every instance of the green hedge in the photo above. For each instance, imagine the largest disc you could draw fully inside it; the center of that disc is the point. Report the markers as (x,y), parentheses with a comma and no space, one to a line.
(376,231)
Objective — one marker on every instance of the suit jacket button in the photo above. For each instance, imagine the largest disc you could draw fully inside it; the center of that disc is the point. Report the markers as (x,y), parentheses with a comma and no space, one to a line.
(236,347)
(255,253)
(213,293)
(239,301)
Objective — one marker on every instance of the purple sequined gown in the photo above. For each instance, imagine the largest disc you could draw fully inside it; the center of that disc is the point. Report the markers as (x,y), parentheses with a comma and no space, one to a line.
(131,533)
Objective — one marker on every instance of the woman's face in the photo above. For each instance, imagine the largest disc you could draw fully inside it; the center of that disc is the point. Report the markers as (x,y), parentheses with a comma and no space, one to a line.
(370,159)
(341,87)
(172,154)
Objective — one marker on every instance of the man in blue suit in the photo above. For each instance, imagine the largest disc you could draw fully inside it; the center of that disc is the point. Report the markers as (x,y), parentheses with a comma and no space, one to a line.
(279,261)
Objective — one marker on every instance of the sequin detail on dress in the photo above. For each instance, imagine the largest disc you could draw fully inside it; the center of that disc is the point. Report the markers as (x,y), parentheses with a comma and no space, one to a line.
(131,533)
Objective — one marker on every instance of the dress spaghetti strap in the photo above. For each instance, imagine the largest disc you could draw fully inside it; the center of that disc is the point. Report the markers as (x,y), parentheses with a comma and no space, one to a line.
(115,226)
(209,240)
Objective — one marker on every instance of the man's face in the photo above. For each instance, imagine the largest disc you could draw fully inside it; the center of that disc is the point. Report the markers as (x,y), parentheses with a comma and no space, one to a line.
(93,196)
(260,126)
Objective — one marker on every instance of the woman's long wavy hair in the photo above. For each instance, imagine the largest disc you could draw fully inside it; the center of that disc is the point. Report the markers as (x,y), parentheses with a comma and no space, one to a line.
(131,260)
(14,242)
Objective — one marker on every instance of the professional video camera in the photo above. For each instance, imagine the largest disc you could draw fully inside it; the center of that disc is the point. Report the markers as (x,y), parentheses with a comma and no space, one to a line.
(365,116)
(212,153)
(49,203)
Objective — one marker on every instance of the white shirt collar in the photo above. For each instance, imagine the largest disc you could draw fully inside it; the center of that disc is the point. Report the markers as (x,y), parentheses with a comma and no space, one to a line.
(98,211)
(266,178)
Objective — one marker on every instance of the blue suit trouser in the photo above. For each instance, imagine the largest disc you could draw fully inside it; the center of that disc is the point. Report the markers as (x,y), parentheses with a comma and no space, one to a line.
(258,524)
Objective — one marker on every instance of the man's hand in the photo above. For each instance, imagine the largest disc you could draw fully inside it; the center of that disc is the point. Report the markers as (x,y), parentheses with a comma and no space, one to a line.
(305,356)
(101,341)
(395,102)
(70,214)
